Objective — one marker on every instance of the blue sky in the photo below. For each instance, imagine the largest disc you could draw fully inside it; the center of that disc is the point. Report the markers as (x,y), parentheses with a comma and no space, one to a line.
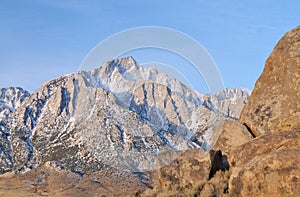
(40,40)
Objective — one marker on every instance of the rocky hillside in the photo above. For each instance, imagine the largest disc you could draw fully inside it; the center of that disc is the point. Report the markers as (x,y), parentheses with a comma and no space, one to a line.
(259,154)
(10,99)
(229,102)
(111,123)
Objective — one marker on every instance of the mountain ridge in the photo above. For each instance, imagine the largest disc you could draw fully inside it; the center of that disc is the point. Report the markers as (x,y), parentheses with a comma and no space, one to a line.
(113,122)
(159,108)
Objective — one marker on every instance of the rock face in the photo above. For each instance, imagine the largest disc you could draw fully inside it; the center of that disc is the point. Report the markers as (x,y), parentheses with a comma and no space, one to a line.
(185,176)
(196,174)
(231,135)
(230,102)
(10,99)
(268,165)
(274,104)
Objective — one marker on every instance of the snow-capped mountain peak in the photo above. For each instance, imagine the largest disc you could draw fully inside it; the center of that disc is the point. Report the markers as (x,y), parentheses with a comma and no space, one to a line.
(121,114)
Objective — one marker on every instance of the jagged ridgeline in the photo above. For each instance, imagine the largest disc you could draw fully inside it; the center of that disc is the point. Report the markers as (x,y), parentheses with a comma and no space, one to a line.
(120,115)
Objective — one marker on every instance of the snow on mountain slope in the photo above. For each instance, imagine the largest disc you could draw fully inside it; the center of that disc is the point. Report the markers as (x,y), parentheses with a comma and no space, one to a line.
(10,99)
(118,116)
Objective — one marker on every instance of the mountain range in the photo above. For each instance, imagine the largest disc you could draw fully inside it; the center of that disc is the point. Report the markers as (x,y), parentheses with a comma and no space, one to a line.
(119,115)
(126,130)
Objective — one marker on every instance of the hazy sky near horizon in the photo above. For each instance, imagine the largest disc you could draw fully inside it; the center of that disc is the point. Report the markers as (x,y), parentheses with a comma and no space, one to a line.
(43,39)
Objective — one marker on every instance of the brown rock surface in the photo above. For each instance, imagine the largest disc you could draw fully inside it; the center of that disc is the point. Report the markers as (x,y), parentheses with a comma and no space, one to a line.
(264,145)
(267,166)
(185,175)
(194,173)
(230,135)
(191,174)
(274,103)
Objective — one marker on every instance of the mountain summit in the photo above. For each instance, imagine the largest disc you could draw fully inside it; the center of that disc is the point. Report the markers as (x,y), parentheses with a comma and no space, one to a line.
(115,119)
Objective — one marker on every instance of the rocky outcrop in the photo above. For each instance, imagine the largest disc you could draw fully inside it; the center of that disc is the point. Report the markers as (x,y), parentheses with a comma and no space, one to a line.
(268,165)
(274,105)
(230,135)
(196,173)
(184,176)
(263,166)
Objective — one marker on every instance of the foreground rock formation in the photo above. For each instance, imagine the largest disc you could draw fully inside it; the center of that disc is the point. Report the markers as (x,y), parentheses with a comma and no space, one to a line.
(274,105)
(268,165)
